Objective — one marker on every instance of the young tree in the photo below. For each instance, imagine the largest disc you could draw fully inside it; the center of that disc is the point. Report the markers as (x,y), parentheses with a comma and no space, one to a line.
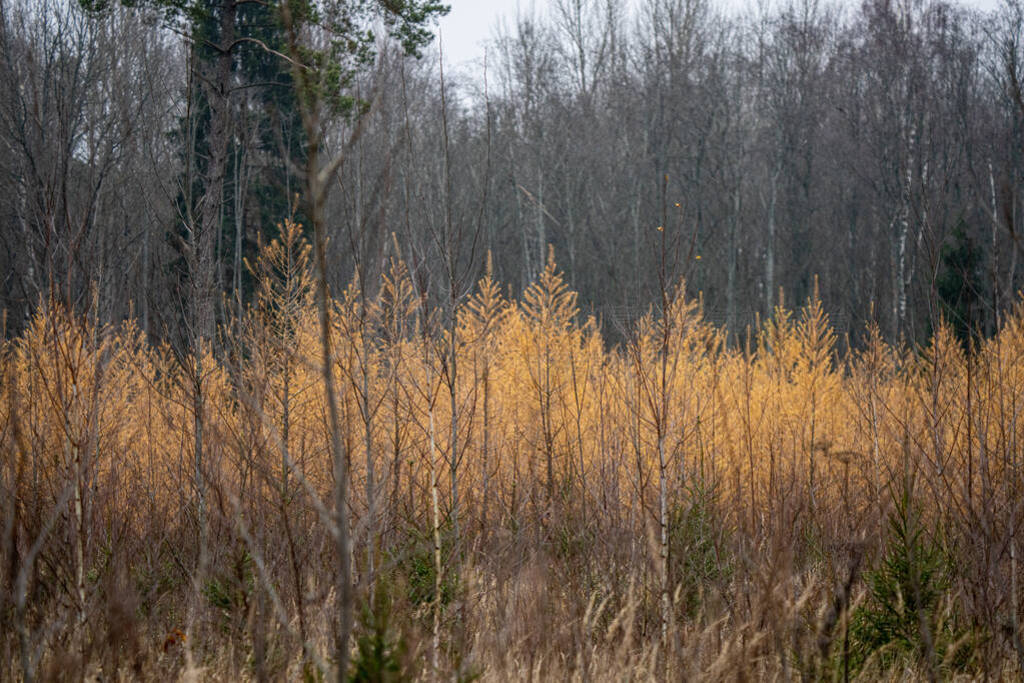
(323,68)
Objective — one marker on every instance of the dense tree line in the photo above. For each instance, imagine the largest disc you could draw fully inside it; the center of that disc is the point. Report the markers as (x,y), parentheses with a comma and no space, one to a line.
(876,147)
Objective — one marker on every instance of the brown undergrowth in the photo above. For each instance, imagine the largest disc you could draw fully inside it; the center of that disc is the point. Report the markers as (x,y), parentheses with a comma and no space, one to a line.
(827,515)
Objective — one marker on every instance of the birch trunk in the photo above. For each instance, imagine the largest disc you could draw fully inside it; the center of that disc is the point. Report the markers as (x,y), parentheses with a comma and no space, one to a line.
(663,521)
(436,524)
(769,255)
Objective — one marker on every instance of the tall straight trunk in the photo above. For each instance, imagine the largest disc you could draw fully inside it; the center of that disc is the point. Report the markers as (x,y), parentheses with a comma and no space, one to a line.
(73,455)
(145,282)
(663,524)
(570,225)
(520,221)
(996,297)
(197,444)
(546,419)
(542,234)
(899,305)
(293,556)
(451,244)
(371,475)
(578,399)
(10,476)
(218,86)
(769,255)
(664,403)
(241,182)
(1012,227)
(1015,511)
(343,584)
(1018,643)
(453,463)
(396,446)
(318,181)
(637,280)
(484,464)
(903,220)
(204,239)
(436,535)
(731,276)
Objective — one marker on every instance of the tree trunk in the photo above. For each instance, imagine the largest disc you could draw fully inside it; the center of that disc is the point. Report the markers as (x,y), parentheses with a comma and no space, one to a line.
(436,534)
(218,84)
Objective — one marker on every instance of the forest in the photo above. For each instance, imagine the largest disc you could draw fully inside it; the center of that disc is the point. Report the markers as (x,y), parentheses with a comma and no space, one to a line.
(666,342)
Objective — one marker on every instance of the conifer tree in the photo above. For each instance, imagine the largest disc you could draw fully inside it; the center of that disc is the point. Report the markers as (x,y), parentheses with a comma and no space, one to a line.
(549,307)
(481,321)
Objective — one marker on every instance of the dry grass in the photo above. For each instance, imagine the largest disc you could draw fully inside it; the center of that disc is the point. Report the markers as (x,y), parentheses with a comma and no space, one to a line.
(787,464)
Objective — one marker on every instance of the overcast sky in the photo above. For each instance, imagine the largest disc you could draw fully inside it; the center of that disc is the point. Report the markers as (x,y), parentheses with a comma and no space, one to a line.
(471,23)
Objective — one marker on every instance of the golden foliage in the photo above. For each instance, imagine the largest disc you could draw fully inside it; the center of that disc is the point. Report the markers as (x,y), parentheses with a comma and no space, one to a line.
(788,405)
(549,417)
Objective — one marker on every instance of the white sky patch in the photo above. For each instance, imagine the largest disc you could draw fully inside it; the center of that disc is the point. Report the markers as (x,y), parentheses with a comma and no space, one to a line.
(471,24)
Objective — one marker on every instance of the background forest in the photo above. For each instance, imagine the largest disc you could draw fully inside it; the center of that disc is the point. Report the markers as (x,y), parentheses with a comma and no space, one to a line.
(876,146)
(672,344)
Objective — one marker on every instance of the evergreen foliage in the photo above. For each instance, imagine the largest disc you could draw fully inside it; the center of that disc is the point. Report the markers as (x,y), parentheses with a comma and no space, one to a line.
(909,615)
(959,285)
